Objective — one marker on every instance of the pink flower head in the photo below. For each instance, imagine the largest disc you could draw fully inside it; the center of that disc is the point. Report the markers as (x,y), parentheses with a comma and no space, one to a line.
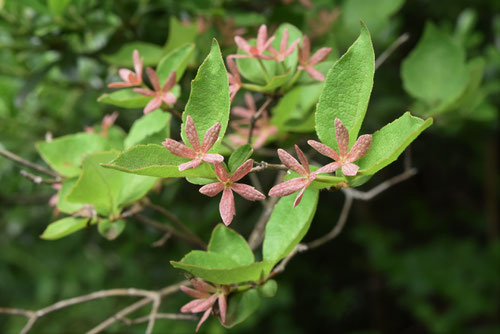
(262,129)
(107,122)
(307,63)
(289,187)
(234,77)
(255,51)
(285,50)
(206,295)
(130,78)
(343,159)
(198,152)
(227,185)
(159,94)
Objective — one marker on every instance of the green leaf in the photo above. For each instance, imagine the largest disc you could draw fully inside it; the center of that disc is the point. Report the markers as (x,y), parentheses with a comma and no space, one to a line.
(106,189)
(125,98)
(287,225)
(347,89)
(58,7)
(241,305)
(221,269)
(64,227)
(239,156)
(62,204)
(268,289)
(390,141)
(144,128)
(435,70)
(156,160)
(275,82)
(180,34)
(110,229)
(209,98)
(151,53)
(65,154)
(177,60)
(227,242)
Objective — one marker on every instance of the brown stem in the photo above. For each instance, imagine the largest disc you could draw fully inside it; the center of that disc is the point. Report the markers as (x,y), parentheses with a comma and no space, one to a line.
(387,53)
(17,159)
(255,117)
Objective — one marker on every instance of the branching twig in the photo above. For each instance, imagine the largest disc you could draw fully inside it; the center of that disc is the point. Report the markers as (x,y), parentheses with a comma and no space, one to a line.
(260,166)
(17,159)
(255,117)
(170,316)
(386,54)
(38,179)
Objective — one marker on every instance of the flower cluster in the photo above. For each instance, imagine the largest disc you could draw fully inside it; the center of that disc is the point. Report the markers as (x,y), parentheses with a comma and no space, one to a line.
(226,184)
(263,50)
(158,94)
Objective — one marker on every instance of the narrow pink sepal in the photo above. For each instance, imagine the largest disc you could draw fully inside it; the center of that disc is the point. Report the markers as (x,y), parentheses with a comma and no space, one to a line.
(203,318)
(178,149)
(261,38)
(288,187)
(125,74)
(241,171)
(188,308)
(212,189)
(305,50)
(144,91)
(210,137)
(319,56)
(226,206)
(190,164)
(314,73)
(170,82)
(360,148)
(221,172)
(299,196)
(194,293)
(120,84)
(330,168)
(248,192)
(222,308)
(206,304)
(291,162)
(324,149)
(242,44)
(154,104)
(342,136)
(350,169)
(201,285)
(153,77)
(169,98)
(192,134)
(303,159)
(212,158)
(137,66)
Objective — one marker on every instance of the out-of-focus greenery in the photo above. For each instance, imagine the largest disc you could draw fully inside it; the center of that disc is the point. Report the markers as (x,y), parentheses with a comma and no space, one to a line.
(423,257)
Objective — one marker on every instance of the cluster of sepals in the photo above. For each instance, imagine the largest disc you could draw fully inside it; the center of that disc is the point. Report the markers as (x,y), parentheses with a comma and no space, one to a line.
(196,155)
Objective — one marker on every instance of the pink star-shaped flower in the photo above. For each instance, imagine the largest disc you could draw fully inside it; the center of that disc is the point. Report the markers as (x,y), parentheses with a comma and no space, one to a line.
(289,187)
(130,78)
(227,185)
(255,51)
(159,94)
(199,151)
(307,64)
(206,295)
(234,77)
(284,51)
(107,122)
(344,158)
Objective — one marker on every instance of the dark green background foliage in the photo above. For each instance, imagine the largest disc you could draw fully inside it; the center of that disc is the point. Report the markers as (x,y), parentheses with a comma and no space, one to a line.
(423,257)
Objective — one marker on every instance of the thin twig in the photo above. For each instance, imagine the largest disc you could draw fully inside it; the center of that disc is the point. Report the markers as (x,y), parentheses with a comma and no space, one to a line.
(170,316)
(176,221)
(387,53)
(167,228)
(368,195)
(260,166)
(38,179)
(163,240)
(281,266)
(17,159)
(152,315)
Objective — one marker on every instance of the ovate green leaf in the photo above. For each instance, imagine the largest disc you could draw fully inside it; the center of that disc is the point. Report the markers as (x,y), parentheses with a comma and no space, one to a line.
(63,227)
(229,243)
(176,60)
(239,156)
(347,89)
(241,305)
(145,128)
(110,229)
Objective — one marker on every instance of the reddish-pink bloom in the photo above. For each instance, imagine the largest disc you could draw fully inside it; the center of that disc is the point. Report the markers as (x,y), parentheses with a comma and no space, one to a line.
(199,151)
(344,158)
(159,94)
(206,295)
(307,64)
(227,185)
(262,129)
(289,187)
(256,51)
(130,78)
(285,50)
(234,77)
